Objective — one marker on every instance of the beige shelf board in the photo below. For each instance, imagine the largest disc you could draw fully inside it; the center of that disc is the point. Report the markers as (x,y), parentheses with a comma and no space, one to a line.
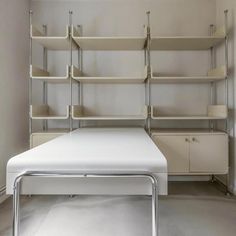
(79,113)
(78,76)
(108,43)
(52,131)
(44,112)
(185,43)
(213,75)
(178,131)
(52,42)
(39,74)
(214,112)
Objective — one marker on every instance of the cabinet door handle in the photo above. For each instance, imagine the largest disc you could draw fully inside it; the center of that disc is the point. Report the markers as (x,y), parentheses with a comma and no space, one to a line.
(186,140)
(194,139)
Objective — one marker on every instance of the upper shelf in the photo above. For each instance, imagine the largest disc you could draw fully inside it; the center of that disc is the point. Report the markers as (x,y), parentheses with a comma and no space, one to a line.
(39,74)
(82,113)
(44,112)
(188,42)
(214,112)
(215,74)
(108,43)
(52,42)
(77,75)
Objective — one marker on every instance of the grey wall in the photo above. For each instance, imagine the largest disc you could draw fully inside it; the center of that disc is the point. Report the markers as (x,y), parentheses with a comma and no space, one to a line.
(14,46)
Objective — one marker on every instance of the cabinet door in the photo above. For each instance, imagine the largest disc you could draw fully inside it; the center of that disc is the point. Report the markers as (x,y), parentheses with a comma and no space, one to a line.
(37,139)
(209,154)
(175,150)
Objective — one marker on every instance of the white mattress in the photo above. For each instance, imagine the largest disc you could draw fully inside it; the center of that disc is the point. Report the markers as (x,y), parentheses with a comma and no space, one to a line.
(91,149)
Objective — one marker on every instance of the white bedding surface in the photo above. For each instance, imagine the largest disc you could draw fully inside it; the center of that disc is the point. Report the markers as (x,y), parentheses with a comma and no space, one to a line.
(91,149)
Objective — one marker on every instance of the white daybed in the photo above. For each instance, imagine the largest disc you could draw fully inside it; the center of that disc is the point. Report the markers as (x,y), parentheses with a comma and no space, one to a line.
(117,161)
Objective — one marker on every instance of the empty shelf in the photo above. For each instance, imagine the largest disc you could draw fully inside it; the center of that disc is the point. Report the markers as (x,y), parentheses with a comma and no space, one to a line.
(188,43)
(108,43)
(52,42)
(39,74)
(44,112)
(77,75)
(81,113)
(216,74)
(214,112)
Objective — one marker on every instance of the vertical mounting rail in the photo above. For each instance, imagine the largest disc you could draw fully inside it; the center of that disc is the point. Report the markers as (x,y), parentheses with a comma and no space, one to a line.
(80,66)
(226,65)
(30,78)
(45,67)
(71,87)
(213,88)
(148,123)
(226,87)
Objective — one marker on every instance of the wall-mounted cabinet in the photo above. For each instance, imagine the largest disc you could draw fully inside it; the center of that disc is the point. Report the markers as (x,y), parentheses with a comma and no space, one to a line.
(193,152)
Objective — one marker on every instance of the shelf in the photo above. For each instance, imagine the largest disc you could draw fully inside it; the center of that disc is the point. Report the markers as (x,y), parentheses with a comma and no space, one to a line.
(214,112)
(78,76)
(39,74)
(44,112)
(185,131)
(213,75)
(188,43)
(108,43)
(81,113)
(52,42)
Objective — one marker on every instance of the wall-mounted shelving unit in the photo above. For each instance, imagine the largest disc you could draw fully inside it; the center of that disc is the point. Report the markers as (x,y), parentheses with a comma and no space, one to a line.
(45,112)
(42,75)
(213,75)
(82,113)
(188,42)
(214,112)
(78,76)
(52,42)
(108,43)
(166,140)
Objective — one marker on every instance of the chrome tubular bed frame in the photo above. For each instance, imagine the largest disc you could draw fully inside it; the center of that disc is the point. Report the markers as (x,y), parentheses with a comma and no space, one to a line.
(58,174)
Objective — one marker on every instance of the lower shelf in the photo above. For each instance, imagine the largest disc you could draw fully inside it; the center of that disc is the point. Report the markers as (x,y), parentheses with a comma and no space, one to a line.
(214,112)
(39,138)
(45,112)
(81,113)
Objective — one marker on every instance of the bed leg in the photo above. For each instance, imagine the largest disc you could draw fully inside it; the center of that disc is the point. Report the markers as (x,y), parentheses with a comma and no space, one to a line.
(154,210)
(16,206)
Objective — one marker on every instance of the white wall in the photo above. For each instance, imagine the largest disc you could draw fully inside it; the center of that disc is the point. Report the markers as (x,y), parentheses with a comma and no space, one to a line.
(14,46)
(220,7)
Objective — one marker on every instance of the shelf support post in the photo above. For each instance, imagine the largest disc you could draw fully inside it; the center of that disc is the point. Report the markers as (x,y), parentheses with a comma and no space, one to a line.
(212,124)
(71,58)
(30,79)
(45,86)
(80,66)
(226,90)
(226,64)
(148,85)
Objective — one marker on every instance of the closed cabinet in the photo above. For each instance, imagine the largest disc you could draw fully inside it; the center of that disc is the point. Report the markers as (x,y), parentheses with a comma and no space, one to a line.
(176,151)
(37,139)
(209,153)
(194,153)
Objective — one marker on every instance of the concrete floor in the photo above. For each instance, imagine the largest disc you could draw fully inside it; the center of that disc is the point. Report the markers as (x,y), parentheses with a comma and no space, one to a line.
(191,209)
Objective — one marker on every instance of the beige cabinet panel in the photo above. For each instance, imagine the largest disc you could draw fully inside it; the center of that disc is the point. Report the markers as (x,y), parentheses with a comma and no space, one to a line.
(37,139)
(209,154)
(175,150)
